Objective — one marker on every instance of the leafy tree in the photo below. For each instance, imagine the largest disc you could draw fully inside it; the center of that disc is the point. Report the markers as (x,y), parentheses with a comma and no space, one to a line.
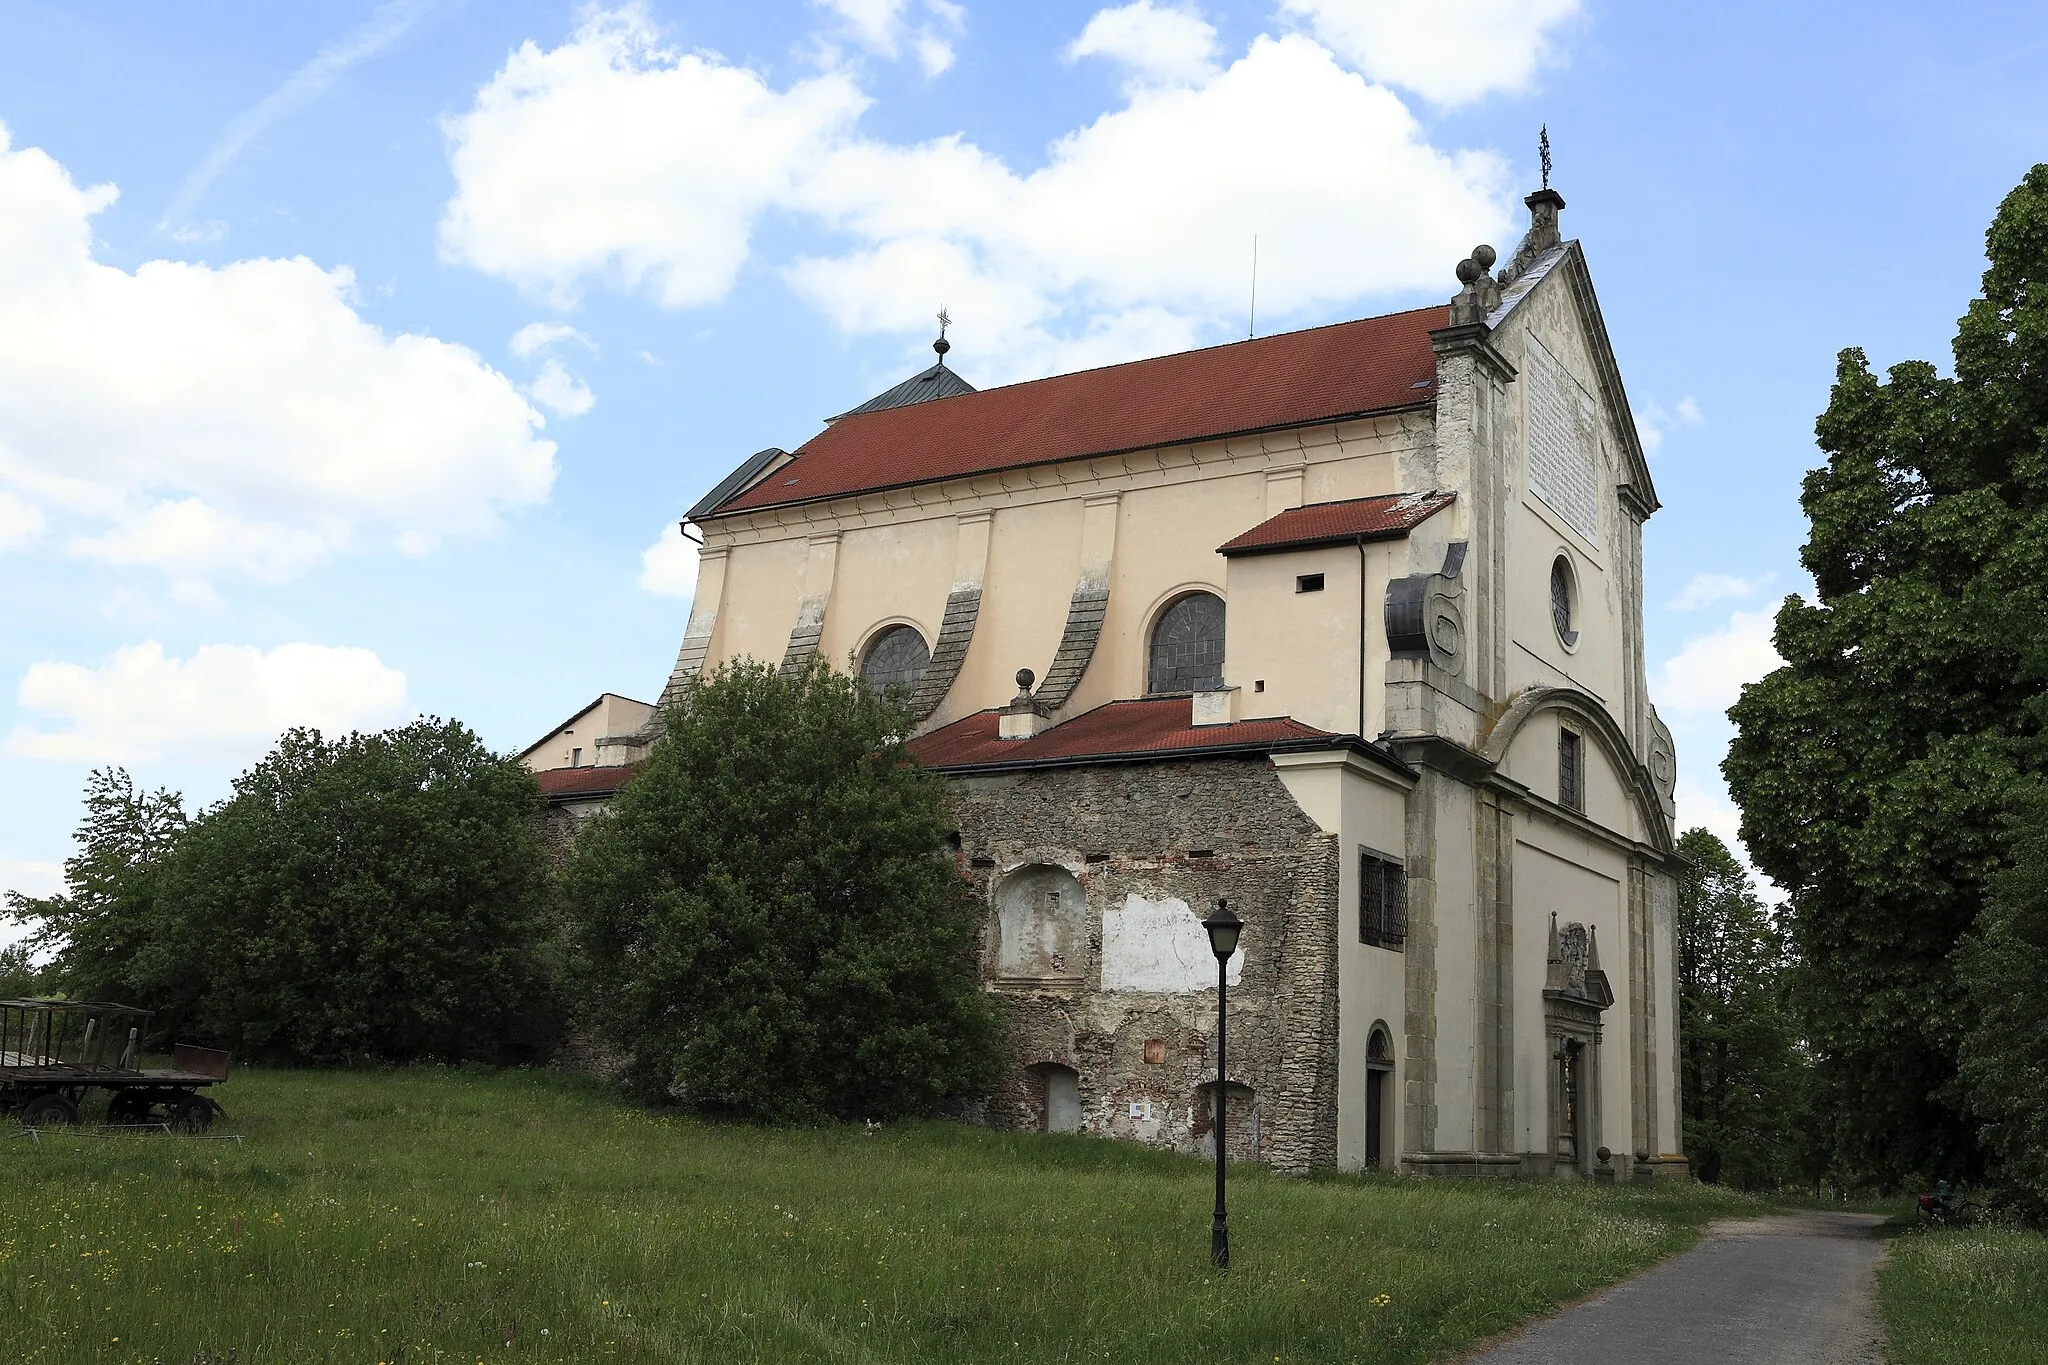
(376,896)
(2005,1048)
(99,922)
(1740,1072)
(20,977)
(1879,770)
(767,923)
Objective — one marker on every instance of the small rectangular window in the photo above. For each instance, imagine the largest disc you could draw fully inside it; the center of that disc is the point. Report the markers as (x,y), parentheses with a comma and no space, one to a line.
(1571,770)
(575,758)
(1382,901)
(1308,582)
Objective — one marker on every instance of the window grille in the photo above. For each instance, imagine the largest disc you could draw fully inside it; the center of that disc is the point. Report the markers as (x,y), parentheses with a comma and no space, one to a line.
(1382,901)
(1561,600)
(1571,770)
(897,658)
(1187,646)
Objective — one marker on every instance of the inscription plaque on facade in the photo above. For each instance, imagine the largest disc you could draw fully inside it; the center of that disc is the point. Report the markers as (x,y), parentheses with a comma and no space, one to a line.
(1564,444)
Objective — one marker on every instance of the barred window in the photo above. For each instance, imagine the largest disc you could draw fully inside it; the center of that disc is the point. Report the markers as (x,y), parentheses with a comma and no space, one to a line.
(1571,770)
(1382,901)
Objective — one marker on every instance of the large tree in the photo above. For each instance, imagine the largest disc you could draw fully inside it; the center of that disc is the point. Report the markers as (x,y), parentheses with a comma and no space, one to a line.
(1880,769)
(1740,1070)
(768,921)
(372,897)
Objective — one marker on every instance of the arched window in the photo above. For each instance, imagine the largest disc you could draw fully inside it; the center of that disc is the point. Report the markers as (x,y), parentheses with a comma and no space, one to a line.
(1563,600)
(896,657)
(1187,646)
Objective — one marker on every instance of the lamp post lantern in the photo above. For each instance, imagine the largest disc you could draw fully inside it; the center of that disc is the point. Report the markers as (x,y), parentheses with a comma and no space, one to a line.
(1224,928)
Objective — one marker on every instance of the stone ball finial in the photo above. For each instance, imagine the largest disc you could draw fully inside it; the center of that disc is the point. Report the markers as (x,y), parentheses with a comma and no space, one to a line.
(1025,677)
(1483,256)
(1469,270)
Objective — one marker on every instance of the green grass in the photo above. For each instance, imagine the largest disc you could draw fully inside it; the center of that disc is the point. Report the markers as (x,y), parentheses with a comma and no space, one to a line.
(1967,1295)
(440,1216)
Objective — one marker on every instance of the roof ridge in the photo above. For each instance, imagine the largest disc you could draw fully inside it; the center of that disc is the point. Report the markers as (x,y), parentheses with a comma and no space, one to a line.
(1169,355)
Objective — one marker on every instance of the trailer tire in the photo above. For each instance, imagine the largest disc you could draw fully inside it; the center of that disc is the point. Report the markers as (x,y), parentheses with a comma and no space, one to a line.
(191,1114)
(49,1111)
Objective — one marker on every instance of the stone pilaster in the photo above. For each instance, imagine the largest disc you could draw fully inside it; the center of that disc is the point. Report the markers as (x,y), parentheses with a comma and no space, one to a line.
(1418,960)
(1495,976)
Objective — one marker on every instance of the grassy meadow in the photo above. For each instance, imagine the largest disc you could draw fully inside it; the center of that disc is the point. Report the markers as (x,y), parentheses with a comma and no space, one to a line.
(434,1215)
(1968,1296)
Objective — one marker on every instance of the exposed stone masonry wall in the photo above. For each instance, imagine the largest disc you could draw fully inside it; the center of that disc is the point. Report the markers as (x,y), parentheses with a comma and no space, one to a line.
(1189,832)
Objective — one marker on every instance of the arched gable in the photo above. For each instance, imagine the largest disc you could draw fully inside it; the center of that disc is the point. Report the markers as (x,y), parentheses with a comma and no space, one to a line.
(1599,727)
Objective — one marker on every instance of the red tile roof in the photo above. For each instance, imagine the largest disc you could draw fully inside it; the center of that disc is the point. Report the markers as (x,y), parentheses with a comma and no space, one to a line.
(1319,375)
(1155,727)
(563,784)
(1339,523)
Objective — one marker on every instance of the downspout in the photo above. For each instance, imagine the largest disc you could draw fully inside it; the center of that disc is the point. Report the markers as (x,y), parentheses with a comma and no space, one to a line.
(1361,637)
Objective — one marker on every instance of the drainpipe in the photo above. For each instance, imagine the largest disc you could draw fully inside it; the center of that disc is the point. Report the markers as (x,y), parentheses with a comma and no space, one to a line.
(1361,637)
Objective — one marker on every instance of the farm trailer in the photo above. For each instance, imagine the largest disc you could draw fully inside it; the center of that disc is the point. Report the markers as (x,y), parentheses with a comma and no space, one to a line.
(53,1051)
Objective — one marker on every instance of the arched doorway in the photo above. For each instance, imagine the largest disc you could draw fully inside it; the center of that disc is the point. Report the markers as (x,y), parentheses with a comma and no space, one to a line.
(1059,1097)
(1379,1081)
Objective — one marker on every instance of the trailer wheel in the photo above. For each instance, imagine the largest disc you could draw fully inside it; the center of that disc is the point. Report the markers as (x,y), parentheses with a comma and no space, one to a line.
(49,1111)
(191,1114)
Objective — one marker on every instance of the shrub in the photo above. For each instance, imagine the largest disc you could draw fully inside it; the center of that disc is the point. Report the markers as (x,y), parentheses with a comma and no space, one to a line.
(766,921)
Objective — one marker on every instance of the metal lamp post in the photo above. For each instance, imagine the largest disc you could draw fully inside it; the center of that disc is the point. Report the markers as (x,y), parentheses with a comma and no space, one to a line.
(1224,929)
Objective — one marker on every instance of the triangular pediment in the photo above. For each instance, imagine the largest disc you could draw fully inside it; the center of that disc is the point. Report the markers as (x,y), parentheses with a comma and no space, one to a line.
(1566,264)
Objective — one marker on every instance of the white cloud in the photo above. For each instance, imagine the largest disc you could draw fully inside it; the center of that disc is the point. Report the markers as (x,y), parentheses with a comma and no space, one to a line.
(668,567)
(613,159)
(225,705)
(886,27)
(20,521)
(555,389)
(236,420)
(1653,421)
(1157,43)
(385,26)
(1447,51)
(1707,589)
(1707,675)
(535,338)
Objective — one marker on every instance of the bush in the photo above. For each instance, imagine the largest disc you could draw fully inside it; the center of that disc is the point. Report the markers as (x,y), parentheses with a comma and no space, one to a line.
(766,923)
(376,897)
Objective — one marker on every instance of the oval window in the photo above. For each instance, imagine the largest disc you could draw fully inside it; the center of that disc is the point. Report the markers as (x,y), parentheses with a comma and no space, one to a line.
(896,658)
(1561,600)
(1187,646)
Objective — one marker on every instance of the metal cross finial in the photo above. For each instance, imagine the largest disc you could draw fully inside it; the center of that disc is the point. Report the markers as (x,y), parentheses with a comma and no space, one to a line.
(945,321)
(1543,152)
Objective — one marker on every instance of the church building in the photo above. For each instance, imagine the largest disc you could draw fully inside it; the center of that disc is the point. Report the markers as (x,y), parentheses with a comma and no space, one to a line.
(1341,626)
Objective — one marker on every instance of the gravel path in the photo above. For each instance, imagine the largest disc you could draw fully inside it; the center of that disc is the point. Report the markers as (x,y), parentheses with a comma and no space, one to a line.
(1800,1288)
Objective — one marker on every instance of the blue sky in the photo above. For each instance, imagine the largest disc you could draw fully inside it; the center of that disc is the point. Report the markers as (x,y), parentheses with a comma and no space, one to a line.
(405,330)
